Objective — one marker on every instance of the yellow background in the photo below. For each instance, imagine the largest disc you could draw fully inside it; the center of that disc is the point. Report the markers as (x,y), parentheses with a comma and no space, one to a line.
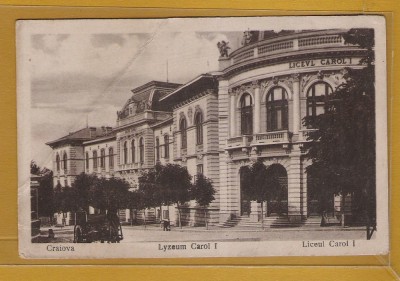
(277,268)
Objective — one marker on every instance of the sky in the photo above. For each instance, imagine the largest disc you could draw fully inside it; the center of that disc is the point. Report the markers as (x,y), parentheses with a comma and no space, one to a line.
(77,77)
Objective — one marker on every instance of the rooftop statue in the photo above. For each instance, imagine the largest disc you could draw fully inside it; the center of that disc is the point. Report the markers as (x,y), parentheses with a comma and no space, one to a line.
(223,48)
(247,37)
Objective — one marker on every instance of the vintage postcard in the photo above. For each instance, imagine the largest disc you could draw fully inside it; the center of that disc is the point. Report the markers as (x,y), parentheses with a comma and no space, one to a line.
(202,137)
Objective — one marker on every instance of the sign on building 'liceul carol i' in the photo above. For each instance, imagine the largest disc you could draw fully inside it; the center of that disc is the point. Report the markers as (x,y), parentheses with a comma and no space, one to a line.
(202,137)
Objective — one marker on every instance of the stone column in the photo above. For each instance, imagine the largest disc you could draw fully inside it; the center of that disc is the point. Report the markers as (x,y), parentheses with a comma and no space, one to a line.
(257,107)
(294,187)
(223,132)
(296,103)
(232,115)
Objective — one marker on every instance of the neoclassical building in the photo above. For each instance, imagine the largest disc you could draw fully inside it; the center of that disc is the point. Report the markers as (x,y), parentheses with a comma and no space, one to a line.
(250,109)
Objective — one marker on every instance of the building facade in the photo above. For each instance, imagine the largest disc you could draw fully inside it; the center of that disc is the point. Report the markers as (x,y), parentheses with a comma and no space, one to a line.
(250,109)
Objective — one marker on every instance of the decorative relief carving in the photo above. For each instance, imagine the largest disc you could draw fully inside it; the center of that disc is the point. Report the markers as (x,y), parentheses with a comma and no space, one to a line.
(304,80)
(320,75)
(182,115)
(265,84)
(246,150)
(200,156)
(275,80)
(296,77)
(288,83)
(256,150)
(255,84)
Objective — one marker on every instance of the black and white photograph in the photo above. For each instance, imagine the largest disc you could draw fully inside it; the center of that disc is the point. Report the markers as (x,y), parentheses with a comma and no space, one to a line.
(202,137)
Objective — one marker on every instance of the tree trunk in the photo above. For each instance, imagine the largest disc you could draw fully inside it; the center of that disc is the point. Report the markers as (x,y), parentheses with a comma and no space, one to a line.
(343,209)
(262,215)
(179,216)
(131,215)
(161,215)
(205,217)
(144,215)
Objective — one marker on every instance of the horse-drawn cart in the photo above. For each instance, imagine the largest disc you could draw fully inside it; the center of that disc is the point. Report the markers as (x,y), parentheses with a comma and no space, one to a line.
(99,227)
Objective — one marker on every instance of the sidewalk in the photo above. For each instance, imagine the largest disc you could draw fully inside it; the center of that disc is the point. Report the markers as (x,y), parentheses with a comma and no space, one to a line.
(154,233)
(215,228)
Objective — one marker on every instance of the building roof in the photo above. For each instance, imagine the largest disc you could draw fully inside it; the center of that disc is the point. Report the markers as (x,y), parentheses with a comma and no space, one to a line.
(199,84)
(107,137)
(146,97)
(81,135)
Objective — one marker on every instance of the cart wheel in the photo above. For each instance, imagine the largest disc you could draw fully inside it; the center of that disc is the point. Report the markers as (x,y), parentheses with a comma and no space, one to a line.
(78,235)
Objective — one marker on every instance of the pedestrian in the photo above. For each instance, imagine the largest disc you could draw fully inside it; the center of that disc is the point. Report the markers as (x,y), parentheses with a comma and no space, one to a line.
(166,225)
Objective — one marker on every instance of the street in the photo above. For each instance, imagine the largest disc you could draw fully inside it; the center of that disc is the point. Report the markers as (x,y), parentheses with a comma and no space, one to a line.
(153,233)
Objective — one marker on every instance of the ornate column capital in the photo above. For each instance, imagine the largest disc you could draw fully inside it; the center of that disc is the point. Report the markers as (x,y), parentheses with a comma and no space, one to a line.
(255,84)
(296,77)
(231,92)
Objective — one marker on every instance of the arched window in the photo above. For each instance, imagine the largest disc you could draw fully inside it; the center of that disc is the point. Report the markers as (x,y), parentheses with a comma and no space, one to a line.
(141,150)
(58,162)
(65,161)
(102,158)
(277,109)
(111,157)
(198,120)
(166,146)
(95,159)
(125,152)
(157,149)
(87,161)
(182,128)
(316,96)
(133,152)
(246,114)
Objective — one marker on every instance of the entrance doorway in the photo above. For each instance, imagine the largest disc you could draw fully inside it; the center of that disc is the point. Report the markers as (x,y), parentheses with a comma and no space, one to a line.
(278,204)
(245,205)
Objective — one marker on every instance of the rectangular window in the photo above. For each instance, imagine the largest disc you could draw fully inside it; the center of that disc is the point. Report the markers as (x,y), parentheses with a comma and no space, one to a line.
(166,147)
(166,214)
(278,119)
(200,169)
(87,161)
(157,149)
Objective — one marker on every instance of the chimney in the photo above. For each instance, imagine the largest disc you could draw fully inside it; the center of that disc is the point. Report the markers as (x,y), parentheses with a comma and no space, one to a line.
(92,132)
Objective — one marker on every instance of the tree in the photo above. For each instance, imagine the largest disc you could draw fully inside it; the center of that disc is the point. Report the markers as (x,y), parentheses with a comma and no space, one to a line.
(151,189)
(35,169)
(64,199)
(45,190)
(203,192)
(257,185)
(342,148)
(176,182)
(135,201)
(46,194)
(109,194)
(82,187)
